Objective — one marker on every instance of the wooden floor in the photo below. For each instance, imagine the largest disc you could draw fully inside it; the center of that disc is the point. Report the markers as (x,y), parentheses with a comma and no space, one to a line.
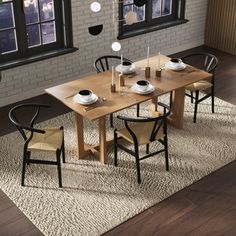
(207,207)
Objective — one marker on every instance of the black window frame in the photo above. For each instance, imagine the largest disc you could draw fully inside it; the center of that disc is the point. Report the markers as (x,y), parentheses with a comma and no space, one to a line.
(152,24)
(62,45)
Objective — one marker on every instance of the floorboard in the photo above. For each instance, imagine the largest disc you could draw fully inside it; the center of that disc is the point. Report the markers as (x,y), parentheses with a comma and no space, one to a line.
(207,207)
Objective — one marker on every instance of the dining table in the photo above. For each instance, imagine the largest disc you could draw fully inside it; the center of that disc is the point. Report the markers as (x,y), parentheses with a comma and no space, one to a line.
(110,102)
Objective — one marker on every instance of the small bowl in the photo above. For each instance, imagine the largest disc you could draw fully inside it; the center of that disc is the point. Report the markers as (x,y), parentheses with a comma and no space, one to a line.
(85,94)
(142,84)
(126,66)
(175,61)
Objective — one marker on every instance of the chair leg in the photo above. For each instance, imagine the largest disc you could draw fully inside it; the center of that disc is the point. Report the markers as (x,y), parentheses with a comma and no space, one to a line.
(23,168)
(138,108)
(191,97)
(111,120)
(171,98)
(195,109)
(63,152)
(137,164)
(28,156)
(166,153)
(59,168)
(147,148)
(212,100)
(115,148)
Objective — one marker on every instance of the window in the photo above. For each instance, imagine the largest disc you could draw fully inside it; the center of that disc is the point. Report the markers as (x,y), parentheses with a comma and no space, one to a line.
(34,29)
(153,15)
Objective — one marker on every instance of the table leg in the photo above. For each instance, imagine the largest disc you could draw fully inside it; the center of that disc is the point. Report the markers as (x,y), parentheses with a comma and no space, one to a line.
(79,126)
(102,140)
(154,107)
(177,110)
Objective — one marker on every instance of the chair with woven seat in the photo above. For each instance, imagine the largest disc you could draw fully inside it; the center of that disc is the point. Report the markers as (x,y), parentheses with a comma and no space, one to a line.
(103,64)
(143,131)
(209,63)
(47,139)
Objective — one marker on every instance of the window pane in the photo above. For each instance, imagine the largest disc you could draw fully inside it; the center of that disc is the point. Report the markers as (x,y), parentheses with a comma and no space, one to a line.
(31,11)
(8,41)
(156,8)
(166,7)
(48,32)
(140,13)
(46,9)
(33,35)
(6,16)
(127,9)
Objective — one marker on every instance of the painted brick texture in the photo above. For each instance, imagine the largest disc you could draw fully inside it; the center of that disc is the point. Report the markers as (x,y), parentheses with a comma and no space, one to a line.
(31,80)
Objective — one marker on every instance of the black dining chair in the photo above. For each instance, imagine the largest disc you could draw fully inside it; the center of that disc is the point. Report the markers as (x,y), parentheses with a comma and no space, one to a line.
(103,64)
(143,131)
(35,139)
(207,62)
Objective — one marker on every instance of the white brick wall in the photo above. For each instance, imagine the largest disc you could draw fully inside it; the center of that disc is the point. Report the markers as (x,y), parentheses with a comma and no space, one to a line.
(31,80)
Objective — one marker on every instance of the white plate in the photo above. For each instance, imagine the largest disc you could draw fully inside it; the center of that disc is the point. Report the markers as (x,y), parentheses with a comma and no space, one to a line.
(149,89)
(126,72)
(78,99)
(180,66)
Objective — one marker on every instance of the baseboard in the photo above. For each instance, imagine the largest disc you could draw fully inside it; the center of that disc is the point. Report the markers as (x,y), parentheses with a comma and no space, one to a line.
(39,91)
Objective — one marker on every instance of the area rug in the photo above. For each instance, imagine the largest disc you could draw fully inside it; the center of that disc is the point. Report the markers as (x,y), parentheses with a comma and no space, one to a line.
(95,197)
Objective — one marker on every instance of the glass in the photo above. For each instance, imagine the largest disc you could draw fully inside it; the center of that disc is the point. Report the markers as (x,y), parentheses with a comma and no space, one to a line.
(31,11)
(6,16)
(156,8)
(48,32)
(127,9)
(166,7)
(140,11)
(46,9)
(33,35)
(8,41)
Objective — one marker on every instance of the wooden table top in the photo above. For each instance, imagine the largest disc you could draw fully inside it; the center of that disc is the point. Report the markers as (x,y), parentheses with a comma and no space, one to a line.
(124,97)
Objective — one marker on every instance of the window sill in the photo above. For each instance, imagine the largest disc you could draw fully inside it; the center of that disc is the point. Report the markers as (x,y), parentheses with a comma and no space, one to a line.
(152,28)
(35,58)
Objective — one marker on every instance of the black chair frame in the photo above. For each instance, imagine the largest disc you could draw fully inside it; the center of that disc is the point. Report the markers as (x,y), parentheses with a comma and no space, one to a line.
(27,137)
(209,66)
(104,66)
(158,123)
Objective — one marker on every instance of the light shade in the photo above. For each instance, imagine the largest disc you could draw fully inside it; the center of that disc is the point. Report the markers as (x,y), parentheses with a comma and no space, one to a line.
(95,30)
(116,46)
(131,18)
(95,6)
(139,3)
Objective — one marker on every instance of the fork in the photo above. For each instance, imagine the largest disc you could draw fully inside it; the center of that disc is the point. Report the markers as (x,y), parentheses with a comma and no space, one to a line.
(103,99)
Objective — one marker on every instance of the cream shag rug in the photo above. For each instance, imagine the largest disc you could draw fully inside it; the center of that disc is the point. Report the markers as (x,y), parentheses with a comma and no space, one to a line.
(97,197)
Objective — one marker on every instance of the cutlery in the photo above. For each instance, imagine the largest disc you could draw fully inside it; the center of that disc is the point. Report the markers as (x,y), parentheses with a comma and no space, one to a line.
(103,99)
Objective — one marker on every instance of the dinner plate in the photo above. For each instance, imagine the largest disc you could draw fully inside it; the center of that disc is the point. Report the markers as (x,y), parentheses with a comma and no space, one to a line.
(149,89)
(79,100)
(180,66)
(126,72)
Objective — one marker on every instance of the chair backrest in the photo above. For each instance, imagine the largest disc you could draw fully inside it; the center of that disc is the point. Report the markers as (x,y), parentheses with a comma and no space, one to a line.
(202,60)
(159,122)
(105,62)
(16,116)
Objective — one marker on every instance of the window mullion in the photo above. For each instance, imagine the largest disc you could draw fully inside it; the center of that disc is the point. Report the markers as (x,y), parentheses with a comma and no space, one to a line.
(40,25)
(148,11)
(20,26)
